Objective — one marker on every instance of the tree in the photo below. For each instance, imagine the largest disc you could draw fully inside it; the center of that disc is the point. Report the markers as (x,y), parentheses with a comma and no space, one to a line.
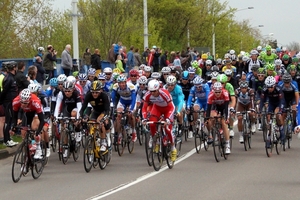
(293,46)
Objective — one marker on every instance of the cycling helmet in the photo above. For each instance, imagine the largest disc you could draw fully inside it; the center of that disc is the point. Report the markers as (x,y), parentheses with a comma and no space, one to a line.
(208,62)
(82,77)
(259,48)
(25,95)
(147,69)
(68,85)
(254,52)
(53,82)
(92,72)
(285,57)
(228,72)
(155,75)
(214,68)
(107,70)
(217,86)
(142,66)
(261,71)
(222,78)
(195,64)
(232,52)
(270,81)
(153,85)
(210,58)
(214,75)
(219,61)
(286,78)
(96,86)
(197,81)
(254,68)
(171,80)
(284,48)
(115,75)
(40,49)
(268,48)
(185,75)
(233,57)
(278,62)
(101,76)
(9,65)
(142,80)
(71,79)
(244,84)
(141,72)
(33,87)
(270,67)
(291,68)
(204,56)
(295,60)
(278,50)
(121,78)
(191,70)
(75,73)
(117,70)
(133,72)
(245,58)
(166,70)
(61,78)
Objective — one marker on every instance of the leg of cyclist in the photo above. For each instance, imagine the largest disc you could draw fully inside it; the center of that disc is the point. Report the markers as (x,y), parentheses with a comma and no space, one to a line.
(154,117)
(210,124)
(169,113)
(196,109)
(117,123)
(78,134)
(279,122)
(240,108)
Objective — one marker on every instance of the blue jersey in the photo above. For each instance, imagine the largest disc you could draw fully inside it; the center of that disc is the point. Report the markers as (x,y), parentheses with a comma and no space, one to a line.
(127,96)
(200,96)
(178,97)
(107,86)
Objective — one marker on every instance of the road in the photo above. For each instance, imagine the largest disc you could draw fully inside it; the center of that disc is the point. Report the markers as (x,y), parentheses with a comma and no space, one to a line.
(245,175)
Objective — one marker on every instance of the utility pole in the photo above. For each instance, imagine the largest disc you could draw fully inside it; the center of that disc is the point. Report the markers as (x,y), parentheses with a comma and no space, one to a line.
(75,31)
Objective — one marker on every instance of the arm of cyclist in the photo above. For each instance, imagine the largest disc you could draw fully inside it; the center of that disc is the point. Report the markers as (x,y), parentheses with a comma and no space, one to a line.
(42,122)
(190,99)
(133,98)
(58,104)
(85,104)
(181,101)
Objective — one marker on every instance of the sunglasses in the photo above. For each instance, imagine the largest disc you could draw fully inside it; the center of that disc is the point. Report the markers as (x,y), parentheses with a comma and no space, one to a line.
(60,84)
(132,76)
(68,91)
(108,74)
(270,86)
(82,81)
(170,84)
(260,75)
(217,92)
(24,103)
(153,91)
(166,74)
(93,92)
(142,84)
(198,86)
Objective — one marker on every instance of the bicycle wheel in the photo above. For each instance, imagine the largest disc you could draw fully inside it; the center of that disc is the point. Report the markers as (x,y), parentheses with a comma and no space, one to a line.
(157,156)
(178,142)
(76,151)
(19,165)
(269,145)
(65,142)
(198,141)
(278,143)
(217,145)
(88,154)
(84,134)
(130,143)
(264,127)
(38,165)
(54,138)
(245,134)
(148,149)
(167,155)
(139,133)
(103,160)
(121,143)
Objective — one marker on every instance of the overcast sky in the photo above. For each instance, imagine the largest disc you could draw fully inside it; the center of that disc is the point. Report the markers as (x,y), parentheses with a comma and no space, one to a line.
(278,17)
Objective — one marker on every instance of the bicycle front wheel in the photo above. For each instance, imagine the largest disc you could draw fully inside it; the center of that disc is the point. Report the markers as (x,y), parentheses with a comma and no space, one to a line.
(65,142)
(167,154)
(76,151)
(139,133)
(38,165)
(198,141)
(217,145)
(148,148)
(245,135)
(121,144)
(19,165)
(278,143)
(269,144)
(88,154)
(130,143)
(157,156)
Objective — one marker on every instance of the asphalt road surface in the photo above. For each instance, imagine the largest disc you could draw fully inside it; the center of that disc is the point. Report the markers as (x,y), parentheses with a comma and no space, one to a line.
(245,175)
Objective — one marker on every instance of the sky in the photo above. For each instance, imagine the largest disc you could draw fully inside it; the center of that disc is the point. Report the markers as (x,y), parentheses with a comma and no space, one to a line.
(277,16)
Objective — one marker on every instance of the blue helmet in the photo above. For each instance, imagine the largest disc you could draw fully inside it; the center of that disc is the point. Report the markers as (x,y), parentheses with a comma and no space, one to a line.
(185,75)
(53,82)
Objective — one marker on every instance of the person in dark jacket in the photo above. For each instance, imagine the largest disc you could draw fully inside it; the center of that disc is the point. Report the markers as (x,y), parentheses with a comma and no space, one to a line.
(156,59)
(164,59)
(21,79)
(48,62)
(9,92)
(40,70)
(96,60)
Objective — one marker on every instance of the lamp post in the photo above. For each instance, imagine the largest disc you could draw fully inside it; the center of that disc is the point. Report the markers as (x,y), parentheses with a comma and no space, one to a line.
(75,31)
(145,24)
(214,34)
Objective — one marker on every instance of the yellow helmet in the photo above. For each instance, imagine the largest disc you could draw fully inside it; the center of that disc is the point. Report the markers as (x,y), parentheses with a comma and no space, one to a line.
(204,56)
(117,70)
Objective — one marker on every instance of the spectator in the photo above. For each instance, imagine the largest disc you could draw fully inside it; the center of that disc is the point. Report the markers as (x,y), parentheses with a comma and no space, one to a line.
(117,47)
(164,59)
(40,76)
(172,56)
(119,64)
(111,56)
(137,57)
(20,77)
(86,61)
(157,54)
(130,60)
(9,92)
(151,57)
(66,60)
(2,113)
(49,60)
(96,61)
(145,55)
(31,75)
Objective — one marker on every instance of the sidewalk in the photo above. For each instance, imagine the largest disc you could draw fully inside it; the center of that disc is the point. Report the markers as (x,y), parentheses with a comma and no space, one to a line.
(8,151)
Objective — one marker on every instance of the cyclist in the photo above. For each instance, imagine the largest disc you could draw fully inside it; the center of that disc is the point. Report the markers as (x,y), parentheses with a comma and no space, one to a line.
(101,108)
(162,105)
(286,60)
(92,74)
(252,61)
(142,89)
(134,75)
(178,98)
(218,97)
(31,105)
(196,66)
(165,73)
(229,66)
(84,83)
(279,67)
(258,86)
(192,74)
(147,71)
(230,78)
(185,84)
(268,57)
(275,96)
(245,102)
(127,94)
(199,93)
(77,86)
(108,78)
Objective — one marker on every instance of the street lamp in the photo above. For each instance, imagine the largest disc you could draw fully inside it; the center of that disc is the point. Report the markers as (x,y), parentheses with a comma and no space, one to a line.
(214,34)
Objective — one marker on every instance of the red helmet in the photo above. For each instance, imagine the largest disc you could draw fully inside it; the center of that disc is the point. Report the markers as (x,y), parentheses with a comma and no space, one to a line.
(134,72)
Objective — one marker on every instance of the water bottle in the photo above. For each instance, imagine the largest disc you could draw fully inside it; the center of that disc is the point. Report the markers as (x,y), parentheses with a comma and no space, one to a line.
(98,142)
(72,136)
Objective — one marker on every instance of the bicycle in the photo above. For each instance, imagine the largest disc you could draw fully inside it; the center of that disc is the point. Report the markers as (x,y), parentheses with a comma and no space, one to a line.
(272,137)
(148,144)
(185,125)
(92,154)
(161,147)
(139,128)
(201,136)
(68,143)
(219,139)
(246,129)
(124,137)
(177,136)
(288,128)
(24,157)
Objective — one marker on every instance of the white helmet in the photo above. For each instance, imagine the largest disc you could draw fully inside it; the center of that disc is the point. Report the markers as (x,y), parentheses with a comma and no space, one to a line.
(25,95)
(208,62)
(270,81)
(41,49)
(171,79)
(107,70)
(228,72)
(147,69)
(155,75)
(259,48)
(92,71)
(214,75)
(33,87)
(166,70)
(227,55)
(71,79)
(153,85)
(232,52)
(142,80)
(142,66)
(245,58)
(284,48)
(217,86)
(278,62)
(61,78)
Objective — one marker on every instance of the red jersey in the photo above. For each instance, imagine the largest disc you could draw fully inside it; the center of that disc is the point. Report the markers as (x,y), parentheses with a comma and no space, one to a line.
(34,105)
(79,90)
(213,99)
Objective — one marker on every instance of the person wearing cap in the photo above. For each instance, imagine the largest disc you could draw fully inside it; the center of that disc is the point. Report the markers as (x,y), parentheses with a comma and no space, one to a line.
(228,65)
(252,61)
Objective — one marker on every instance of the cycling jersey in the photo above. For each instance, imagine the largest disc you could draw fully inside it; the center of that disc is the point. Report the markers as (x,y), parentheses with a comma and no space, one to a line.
(274,98)
(268,58)
(108,86)
(220,102)
(200,97)
(100,104)
(68,103)
(178,97)
(140,94)
(127,95)
(186,89)
(229,89)
(232,68)
(288,93)
(244,98)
